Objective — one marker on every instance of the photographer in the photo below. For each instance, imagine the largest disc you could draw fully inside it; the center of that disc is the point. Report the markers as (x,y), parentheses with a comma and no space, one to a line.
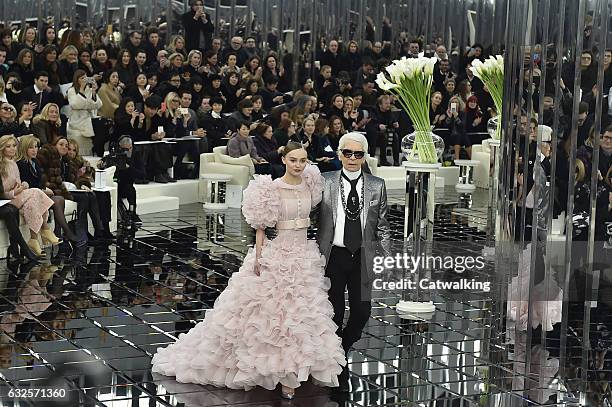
(129,166)
(14,87)
(197,26)
(83,103)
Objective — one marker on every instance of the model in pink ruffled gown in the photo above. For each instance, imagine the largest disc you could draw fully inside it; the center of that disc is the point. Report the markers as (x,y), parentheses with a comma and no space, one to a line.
(275,327)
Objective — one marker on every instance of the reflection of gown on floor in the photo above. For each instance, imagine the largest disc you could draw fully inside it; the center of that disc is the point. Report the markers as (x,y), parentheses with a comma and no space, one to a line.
(546,298)
(273,328)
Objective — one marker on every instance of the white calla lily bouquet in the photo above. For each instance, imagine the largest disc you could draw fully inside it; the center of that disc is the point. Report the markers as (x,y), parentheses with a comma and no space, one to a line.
(411,79)
(491,73)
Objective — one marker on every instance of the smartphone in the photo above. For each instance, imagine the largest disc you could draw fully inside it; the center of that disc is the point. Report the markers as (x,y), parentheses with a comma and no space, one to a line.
(138,107)
(160,129)
(148,88)
(453,107)
(182,110)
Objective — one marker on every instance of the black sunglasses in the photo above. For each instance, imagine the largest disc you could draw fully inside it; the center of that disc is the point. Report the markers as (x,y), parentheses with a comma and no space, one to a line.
(350,153)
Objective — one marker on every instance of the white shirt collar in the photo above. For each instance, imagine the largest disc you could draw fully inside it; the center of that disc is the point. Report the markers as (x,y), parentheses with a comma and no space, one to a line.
(351,175)
(36,90)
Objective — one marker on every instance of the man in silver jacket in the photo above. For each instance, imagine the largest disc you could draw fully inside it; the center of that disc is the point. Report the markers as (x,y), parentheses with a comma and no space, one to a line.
(352,230)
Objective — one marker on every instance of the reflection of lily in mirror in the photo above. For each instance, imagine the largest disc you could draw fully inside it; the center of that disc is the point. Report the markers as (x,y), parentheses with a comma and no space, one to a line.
(491,73)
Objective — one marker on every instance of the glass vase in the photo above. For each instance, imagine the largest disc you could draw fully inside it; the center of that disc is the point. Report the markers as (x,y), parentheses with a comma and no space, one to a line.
(423,146)
(494,128)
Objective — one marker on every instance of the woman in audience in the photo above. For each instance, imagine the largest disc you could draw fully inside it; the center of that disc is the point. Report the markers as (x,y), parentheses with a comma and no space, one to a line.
(124,67)
(437,116)
(325,155)
(27,39)
(464,90)
(336,130)
(138,91)
(84,102)
(474,121)
(85,63)
(232,91)
(241,144)
(214,90)
(47,61)
(58,173)
(271,68)
(215,124)
(194,63)
(32,173)
(252,70)
(68,64)
(307,89)
(129,121)
(211,63)
(230,64)
(350,115)
(48,37)
(24,66)
(455,122)
(47,124)
(32,202)
(26,111)
(110,94)
(267,147)
(177,45)
(337,106)
(257,115)
(285,131)
(8,124)
(251,88)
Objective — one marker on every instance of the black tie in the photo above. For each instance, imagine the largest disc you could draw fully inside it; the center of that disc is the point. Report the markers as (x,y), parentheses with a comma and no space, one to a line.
(352,221)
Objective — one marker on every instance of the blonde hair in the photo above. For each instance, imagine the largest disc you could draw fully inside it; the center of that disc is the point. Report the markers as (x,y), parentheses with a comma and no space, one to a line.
(66,51)
(13,111)
(580,171)
(169,97)
(44,114)
(4,142)
(25,143)
(2,85)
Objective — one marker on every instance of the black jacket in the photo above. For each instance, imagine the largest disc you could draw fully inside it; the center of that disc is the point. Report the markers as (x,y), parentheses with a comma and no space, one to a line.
(194,30)
(31,175)
(216,129)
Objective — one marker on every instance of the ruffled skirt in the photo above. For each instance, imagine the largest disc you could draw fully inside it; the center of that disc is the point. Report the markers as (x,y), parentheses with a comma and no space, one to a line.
(263,330)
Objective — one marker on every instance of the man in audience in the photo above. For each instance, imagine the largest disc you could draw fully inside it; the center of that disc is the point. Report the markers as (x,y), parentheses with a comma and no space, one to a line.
(198,27)
(235,46)
(40,93)
(158,156)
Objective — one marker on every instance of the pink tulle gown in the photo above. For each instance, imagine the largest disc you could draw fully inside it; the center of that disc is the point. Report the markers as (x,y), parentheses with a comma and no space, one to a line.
(273,328)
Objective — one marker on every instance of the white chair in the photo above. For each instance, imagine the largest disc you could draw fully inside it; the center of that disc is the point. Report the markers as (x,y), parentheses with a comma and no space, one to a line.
(218,162)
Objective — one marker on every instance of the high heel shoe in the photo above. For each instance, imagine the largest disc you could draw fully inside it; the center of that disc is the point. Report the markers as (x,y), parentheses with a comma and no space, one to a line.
(35,247)
(48,237)
(287,393)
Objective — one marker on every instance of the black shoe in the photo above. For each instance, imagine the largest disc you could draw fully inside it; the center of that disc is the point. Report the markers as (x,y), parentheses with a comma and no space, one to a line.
(141,181)
(385,163)
(170,179)
(161,179)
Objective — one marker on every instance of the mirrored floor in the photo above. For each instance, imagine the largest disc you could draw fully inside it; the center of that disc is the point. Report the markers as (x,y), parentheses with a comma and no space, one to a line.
(89,322)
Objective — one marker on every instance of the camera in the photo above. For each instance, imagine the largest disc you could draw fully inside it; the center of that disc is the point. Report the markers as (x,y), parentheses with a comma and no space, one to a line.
(117,157)
(90,81)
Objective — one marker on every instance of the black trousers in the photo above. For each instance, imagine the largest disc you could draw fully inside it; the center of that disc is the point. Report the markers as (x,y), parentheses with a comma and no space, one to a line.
(344,272)
(10,215)
(191,148)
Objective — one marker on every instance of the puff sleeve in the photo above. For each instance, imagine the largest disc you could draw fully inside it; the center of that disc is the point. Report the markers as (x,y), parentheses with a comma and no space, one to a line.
(261,202)
(315,181)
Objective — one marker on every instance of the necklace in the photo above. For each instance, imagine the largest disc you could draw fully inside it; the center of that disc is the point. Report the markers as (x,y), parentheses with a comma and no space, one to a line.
(351,215)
